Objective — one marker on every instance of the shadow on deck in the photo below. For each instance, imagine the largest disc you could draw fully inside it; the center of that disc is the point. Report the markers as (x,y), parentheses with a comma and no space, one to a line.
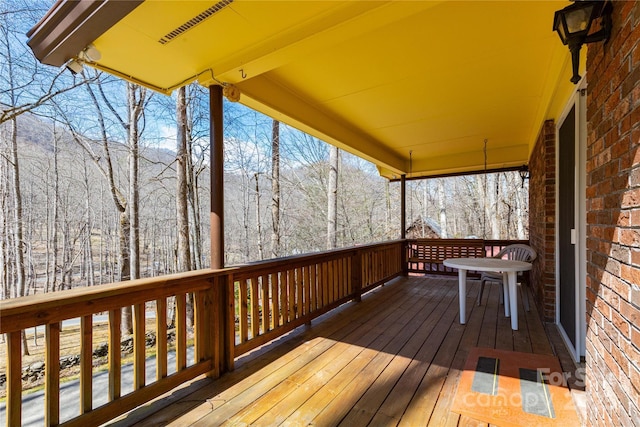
(394,359)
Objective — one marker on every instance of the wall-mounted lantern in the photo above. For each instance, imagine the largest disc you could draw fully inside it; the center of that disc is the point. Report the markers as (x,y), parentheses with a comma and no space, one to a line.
(524,173)
(573,24)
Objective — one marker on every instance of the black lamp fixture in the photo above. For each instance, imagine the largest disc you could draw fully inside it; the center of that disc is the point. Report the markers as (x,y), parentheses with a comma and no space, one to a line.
(524,173)
(573,24)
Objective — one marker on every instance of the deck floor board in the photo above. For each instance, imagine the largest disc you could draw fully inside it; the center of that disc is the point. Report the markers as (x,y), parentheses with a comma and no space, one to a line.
(393,359)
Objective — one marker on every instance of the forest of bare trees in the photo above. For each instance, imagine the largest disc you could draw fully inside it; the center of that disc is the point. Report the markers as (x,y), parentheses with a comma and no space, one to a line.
(103,181)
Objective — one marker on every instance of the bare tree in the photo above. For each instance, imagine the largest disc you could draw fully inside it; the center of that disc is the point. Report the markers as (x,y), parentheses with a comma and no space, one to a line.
(25,84)
(87,247)
(184,255)
(275,189)
(104,164)
(14,165)
(136,97)
(442,209)
(256,176)
(4,209)
(332,203)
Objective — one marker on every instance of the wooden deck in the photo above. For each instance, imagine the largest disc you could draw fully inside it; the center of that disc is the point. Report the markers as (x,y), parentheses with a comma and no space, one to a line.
(393,359)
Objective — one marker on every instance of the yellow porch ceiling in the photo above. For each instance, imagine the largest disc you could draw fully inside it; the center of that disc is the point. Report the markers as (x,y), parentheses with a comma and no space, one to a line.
(376,78)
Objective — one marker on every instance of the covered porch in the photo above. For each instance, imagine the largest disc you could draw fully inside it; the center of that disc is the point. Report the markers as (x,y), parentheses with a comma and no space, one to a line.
(414,87)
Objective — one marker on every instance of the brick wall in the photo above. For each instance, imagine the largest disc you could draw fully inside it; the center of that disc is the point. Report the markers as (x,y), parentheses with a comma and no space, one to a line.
(542,167)
(613,223)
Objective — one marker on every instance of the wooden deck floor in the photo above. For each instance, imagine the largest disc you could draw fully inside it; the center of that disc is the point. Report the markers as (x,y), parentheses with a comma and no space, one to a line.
(393,359)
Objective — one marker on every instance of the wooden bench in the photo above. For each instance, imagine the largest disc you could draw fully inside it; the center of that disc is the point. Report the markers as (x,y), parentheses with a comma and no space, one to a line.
(426,255)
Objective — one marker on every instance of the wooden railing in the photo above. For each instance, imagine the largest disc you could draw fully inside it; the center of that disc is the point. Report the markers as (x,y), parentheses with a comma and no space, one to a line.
(50,310)
(274,297)
(425,256)
(235,310)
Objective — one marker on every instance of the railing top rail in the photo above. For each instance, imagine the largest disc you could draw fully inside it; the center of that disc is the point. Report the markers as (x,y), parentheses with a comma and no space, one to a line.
(32,310)
(307,258)
(486,241)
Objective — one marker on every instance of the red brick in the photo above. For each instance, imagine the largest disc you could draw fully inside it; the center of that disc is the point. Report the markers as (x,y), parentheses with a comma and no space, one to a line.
(621,324)
(629,237)
(635,338)
(611,364)
(621,253)
(630,274)
(629,312)
(631,199)
(634,295)
(623,218)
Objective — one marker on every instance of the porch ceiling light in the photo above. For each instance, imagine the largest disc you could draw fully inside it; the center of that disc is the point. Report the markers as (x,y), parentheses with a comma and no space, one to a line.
(231,92)
(573,24)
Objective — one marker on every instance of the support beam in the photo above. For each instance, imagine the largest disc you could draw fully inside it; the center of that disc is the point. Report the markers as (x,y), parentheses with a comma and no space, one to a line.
(403,206)
(217,177)
(403,223)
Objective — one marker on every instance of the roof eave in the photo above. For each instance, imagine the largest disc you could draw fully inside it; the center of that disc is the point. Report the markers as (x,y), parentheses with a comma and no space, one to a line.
(70,26)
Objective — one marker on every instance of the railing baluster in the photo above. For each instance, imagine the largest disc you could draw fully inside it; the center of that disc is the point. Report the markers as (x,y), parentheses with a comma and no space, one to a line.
(52,374)
(365,270)
(161,338)
(345,277)
(340,278)
(255,305)
(244,327)
(307,288)
(299,305)
(115,354)
(291,281)
(275,297)
(181,332)
(322,284)
(284,296)
(14,378)
(350,287)
(333,282)
(341,281)
(330,282)
(314,287)
(139,348)
(356,275)
(264,287)
(86,363)
(198,347)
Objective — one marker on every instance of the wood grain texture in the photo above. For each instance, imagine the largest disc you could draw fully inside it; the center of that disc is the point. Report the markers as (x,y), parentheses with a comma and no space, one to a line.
(86,364)
(139,347)
(394,358)
(115,355)
(52,375)
(181,332)
(14,379)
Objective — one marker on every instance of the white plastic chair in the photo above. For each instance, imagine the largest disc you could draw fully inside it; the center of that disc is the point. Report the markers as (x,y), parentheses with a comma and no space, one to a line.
(517,252)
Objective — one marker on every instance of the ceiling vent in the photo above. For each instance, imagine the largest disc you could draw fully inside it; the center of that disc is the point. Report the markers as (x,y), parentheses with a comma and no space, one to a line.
(194,21)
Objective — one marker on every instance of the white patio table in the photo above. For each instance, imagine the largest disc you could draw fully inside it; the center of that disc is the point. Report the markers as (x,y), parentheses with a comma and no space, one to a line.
(509,270)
